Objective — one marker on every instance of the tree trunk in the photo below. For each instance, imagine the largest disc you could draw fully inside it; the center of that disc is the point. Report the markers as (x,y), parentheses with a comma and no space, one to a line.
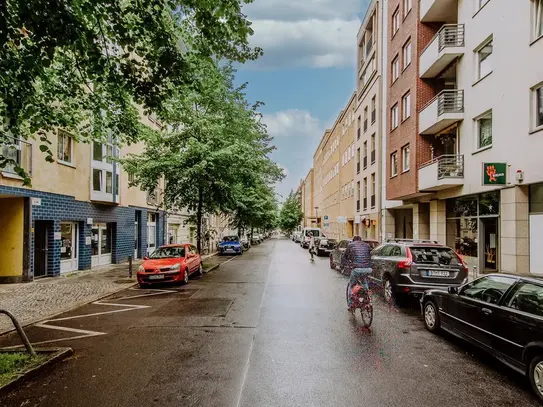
(199,221)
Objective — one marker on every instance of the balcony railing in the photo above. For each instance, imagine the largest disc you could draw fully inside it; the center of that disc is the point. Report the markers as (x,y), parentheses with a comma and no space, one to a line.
(373,156)
(365,203)
(442,111)
(450,101)
(450,35)
(369,45)
(365,162)
(358,167)
(365,125)
(442,172)
(373,116)
(373,201)
(358,205)
(18,154)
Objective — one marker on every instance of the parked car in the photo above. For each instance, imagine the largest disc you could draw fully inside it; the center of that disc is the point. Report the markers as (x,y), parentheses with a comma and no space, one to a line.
(336,254)
(306,236)
(501,313)
(255,239)
(230,245)
(297,237)
(324,245)
(410,267)
(245,242)
(170,263)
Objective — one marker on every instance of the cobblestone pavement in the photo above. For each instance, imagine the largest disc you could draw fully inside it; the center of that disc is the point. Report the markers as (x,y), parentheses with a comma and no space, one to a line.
(43,298)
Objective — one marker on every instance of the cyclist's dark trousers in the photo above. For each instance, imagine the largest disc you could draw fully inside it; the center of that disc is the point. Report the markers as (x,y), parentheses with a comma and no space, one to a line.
(357,274)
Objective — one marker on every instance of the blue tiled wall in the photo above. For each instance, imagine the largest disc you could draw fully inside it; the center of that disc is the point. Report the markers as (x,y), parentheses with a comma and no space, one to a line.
(57,208)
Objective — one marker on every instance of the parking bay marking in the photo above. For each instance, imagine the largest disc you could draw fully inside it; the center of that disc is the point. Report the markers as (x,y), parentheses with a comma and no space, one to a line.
(85,333)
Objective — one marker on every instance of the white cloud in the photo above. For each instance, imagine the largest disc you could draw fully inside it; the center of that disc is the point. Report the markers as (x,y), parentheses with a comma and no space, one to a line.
(292,123)
(292,10)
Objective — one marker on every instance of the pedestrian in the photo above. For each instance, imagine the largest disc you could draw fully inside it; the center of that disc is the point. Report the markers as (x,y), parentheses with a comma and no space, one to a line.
(357,260)
(311,246)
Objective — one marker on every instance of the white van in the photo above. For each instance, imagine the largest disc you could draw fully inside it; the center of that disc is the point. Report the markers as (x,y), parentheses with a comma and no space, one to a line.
(306,233)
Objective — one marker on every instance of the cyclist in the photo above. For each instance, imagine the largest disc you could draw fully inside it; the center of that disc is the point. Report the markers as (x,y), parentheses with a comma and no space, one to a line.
(357,259)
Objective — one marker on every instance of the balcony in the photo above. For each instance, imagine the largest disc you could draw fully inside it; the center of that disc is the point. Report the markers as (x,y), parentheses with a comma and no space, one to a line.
(434,11)
(446,171)
(444,110)
(445,47)
(19,154)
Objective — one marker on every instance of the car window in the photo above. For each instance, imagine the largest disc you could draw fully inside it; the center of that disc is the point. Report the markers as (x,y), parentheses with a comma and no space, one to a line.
(168,253)
(527,298)
(386,250)
(489,289)
(395,251)
(193,249)
(434,255)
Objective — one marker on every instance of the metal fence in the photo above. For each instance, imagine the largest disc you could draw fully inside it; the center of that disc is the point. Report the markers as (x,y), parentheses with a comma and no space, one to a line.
(450,101)
(450,35)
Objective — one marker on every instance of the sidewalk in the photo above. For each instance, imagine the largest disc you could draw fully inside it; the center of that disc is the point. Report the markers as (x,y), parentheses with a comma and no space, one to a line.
(49,296)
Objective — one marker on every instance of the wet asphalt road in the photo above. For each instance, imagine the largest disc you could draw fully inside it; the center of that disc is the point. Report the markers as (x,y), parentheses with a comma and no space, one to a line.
(266,329)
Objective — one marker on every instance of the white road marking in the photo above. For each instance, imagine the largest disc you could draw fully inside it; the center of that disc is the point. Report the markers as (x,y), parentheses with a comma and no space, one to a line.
(85,333)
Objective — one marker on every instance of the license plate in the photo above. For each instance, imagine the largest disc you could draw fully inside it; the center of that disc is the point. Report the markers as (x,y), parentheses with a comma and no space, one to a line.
(437,273)
(157,277)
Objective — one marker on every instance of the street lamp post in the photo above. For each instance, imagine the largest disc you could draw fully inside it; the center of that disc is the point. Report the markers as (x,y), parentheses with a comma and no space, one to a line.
(317,215)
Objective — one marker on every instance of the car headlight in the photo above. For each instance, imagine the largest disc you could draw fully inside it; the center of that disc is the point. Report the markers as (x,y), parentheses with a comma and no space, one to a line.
(141,269)
(175,267)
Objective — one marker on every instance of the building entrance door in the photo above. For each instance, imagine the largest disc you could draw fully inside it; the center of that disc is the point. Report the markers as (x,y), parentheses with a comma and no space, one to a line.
(68,247)
(489,233)
(101,244)
(41,230)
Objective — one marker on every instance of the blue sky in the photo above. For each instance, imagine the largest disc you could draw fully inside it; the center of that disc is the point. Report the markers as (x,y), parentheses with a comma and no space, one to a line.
(306,75)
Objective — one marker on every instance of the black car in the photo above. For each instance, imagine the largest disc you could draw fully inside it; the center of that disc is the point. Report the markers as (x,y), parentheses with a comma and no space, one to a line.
(405,267)
(337,253)
(503,314)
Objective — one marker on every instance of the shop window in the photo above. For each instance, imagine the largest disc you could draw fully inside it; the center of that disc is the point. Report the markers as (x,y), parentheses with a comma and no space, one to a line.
(489,204)
(463,206)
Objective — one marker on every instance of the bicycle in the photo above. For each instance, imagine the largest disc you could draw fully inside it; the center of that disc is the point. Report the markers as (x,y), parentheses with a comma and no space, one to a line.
(361,299)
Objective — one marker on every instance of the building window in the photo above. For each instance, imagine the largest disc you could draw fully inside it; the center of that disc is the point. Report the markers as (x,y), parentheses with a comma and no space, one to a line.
(484,59)
(64,147)
(406,54)
(395,69)
(97,151)
(406,106)
(373,148)
(365,193)
(407,5)
(538,18)
(374,107)
(538,96)
(365,154)
(406,158)
(96,180)
(394,116)
(109,182)
(394,164)
(484,130)
(373,190)
(396,21)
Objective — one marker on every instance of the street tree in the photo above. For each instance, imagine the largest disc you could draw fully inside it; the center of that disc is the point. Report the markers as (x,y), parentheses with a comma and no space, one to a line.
(291,214)
(213,144)
(88,66)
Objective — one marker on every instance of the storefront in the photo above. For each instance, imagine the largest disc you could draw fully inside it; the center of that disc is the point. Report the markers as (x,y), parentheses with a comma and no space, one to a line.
(536,229)
(69,239)
(473,230)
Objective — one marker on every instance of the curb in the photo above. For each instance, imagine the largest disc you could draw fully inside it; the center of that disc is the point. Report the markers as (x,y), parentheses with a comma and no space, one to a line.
(59,355)
(209,270)
(73,307)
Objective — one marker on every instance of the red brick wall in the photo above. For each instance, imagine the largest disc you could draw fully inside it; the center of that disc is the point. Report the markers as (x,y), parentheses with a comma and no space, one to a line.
(404,183)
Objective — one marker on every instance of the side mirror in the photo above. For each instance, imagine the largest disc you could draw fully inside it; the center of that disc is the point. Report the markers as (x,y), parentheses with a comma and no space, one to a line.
(145,258)
(453,290)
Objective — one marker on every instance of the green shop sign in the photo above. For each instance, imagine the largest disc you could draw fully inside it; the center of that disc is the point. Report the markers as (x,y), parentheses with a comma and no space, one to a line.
(494,173)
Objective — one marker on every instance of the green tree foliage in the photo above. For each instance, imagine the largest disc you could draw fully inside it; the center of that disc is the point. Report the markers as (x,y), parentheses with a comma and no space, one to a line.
(291,214)
(85,65)
(213,150)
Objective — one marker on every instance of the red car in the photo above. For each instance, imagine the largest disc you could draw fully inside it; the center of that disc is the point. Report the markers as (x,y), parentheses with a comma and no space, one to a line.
(170,263)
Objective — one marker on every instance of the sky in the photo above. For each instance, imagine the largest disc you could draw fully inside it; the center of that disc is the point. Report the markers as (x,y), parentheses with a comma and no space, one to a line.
(306,76)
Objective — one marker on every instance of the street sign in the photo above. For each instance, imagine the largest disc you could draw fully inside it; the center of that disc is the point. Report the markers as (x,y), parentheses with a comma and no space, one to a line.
(36,201)
(494,173)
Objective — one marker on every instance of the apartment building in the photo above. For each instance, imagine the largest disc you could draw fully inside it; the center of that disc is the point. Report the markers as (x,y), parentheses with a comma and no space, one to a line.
(322,154)
(369,124)
(465,102)
(308,205)
(79,212)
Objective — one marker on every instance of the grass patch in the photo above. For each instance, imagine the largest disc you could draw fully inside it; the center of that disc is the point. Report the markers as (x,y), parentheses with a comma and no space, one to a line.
(12,364)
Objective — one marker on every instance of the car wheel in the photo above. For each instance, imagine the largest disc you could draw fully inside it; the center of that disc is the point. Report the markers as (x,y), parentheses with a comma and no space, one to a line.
(201,270)
(332,264)
(319,253)
(431,317)
(186,277)
(535,375)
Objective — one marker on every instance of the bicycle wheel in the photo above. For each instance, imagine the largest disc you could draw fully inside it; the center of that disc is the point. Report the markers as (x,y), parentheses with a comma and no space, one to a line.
(366,312)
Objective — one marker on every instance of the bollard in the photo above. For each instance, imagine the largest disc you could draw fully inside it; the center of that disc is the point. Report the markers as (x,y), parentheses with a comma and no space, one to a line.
(130,266)
(20,331)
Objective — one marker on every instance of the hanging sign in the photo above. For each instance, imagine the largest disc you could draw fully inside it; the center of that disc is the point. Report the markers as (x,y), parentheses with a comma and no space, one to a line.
(494,173)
